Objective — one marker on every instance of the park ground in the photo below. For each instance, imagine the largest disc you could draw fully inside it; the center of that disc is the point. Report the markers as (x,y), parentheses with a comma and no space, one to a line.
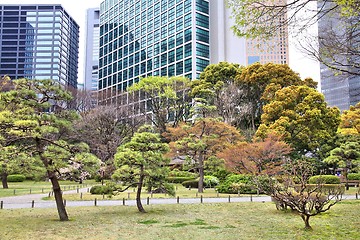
(251,220)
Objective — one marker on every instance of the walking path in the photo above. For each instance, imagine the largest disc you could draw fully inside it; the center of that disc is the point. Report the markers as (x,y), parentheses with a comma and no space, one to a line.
(25,201)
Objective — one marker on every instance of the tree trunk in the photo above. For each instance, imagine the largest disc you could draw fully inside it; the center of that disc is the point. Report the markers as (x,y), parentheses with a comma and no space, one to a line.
(138,193)
(201,173)
(306,219)
(58,197)
(4,180)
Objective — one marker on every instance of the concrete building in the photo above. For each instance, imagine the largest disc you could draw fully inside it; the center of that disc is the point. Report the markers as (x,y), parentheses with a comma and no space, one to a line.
(92,49)
(39,42)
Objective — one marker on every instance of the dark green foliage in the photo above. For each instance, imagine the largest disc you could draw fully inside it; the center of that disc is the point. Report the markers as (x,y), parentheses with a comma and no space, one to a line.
(97,178)
(191,183)
(324,179)
(354,176)
(16,178)
(179,179)
(237,183)
(101,189)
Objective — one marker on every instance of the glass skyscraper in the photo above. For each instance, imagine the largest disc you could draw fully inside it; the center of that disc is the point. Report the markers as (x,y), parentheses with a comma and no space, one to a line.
(39,42)
(150,38)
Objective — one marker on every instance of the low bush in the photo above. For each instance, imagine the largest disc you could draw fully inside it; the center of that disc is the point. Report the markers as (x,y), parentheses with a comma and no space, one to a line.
(324,179)
(178,179)
(178,173)
(191,183)
(323,188)
(101,189)
(16,178)
(211,181)
(237,183)
(354,176)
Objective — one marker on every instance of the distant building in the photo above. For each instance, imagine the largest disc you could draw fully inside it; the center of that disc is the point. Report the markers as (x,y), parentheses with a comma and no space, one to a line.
(39,42)
(341,89)
(92,49)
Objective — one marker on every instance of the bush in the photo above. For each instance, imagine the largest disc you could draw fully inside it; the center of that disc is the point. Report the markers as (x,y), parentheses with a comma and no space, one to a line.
(211,181)
(354,176)
(16,178)
(325,188)
(237,183)
(177,173)
(178,179)
(101,189)
(324,179)
(191,183)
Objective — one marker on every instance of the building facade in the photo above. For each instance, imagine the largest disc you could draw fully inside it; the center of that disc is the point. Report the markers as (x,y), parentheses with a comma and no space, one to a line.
(340,88)
(150,38)
(39,42)
(92,49)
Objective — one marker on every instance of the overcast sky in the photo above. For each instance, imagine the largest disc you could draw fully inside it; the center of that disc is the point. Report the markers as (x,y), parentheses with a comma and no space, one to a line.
(77,10)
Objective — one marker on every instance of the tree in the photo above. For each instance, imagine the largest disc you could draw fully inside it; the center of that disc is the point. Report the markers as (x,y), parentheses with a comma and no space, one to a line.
(35,122)
(166,99)
(257,157)
(337,39)
(141,158)
(346,156)
(259,82)
(218,86)
(103,129)
(301,116)
(201,140)
(350,120)
(307,200)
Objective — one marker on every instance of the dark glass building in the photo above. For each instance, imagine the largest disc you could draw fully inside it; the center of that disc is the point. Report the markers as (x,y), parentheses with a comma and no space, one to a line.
(39,42)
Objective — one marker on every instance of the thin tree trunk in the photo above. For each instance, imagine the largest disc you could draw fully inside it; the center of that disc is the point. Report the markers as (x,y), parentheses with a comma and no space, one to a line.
(58,197)
(306,221)
(4,180)
(138,193)
(201,173)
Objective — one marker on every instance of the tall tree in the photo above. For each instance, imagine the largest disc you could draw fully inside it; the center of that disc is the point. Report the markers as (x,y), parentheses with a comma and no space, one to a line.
(301,116)
(141,158)
(167,99)
(350,120)
(337,38)
(201,140)
(36,120)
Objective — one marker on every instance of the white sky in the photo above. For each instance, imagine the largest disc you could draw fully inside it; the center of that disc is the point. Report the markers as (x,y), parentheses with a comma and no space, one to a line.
(77,10)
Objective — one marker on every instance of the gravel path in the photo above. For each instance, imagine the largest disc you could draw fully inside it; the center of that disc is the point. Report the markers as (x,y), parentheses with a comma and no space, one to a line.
(25,201)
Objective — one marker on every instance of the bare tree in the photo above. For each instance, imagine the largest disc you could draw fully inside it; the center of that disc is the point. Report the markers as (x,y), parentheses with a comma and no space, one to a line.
(307,200)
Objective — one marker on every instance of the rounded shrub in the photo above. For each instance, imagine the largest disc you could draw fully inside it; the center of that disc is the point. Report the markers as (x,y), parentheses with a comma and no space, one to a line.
(237,183)
(354,176)
(178,179)
(177,173)
(191,183)
(211,181)
(101,189)
(16,178)
(324,179)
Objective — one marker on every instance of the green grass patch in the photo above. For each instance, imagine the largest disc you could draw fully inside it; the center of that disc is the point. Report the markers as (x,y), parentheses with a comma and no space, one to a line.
(230,221)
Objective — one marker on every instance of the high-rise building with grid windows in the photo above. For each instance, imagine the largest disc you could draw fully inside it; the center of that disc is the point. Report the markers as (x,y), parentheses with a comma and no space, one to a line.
(150,38)
(39,42)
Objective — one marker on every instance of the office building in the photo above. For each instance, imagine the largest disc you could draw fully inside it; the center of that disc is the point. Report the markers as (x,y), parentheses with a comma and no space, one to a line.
(92,49)
(39,42)
(340,88)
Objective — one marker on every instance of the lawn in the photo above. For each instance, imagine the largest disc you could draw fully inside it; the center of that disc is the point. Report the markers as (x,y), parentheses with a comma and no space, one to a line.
(197,221)
(27,187)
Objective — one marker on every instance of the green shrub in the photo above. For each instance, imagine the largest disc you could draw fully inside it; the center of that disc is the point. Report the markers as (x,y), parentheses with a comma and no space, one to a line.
(178,179)
(211,181)
(237,183)
(177,173)
(354,176)
(191,183)
(16,178)
(325,188)
(324,179)
(101,189)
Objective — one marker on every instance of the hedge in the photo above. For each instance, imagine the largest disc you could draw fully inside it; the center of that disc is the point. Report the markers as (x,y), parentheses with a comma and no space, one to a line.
(325,188)
(237,183)
(179,179)
(324,179)
(209,181)
(354,176)
(16,178)
(101,189)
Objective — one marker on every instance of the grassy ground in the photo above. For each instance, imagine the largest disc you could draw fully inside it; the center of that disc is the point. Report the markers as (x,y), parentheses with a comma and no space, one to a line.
(228,221)
(27,187)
